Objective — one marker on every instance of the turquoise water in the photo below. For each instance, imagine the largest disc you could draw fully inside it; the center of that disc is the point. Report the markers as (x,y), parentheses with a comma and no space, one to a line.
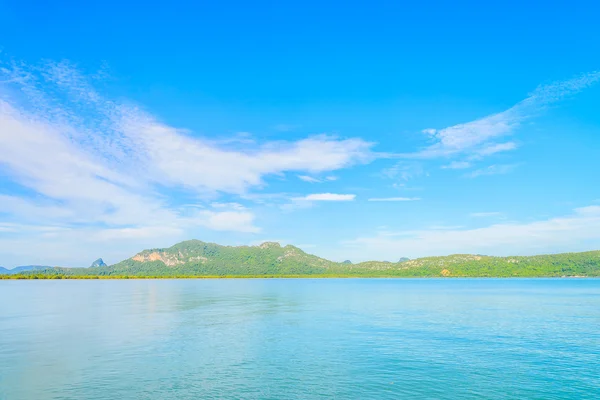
(300,339)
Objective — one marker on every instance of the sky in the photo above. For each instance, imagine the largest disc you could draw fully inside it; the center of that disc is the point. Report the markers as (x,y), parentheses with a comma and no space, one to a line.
(353,130)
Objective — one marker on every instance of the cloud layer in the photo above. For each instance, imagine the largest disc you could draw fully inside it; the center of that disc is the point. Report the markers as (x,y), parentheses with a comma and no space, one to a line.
(578,231)
(77,159)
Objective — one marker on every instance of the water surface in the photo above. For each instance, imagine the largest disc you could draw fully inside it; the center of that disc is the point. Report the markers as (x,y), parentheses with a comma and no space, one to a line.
(300,339)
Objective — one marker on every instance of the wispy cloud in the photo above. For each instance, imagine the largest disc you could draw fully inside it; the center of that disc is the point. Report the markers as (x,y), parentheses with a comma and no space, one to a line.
(575,232)
(110,135)
(310,200)
(444,227)
(231,221)
(395,199)
(87,161)
(82,174)
(404,171)
(457,165)
(485,214)
(232,206)
(312,179)
(479,137)
(326,197)
(309,179)
(493,149)
(493,170)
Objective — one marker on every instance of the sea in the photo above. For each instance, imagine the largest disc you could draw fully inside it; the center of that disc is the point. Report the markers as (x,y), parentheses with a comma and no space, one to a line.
(300,339)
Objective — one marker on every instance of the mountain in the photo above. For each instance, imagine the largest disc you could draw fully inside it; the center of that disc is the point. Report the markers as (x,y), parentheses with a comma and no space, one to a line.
(4,270)
(403,259)
(98,263)
(347,262)
(194,258)
(200,258)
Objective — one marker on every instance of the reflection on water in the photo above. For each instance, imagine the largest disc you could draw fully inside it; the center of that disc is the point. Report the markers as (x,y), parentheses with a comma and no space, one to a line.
(275,339)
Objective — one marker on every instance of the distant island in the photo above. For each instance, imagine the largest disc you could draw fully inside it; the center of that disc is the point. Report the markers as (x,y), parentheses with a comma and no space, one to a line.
(24,268)
(98,263)
(197,259)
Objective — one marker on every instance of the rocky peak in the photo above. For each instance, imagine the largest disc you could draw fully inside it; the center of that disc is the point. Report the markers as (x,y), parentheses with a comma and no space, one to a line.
(98,263)
(270,245)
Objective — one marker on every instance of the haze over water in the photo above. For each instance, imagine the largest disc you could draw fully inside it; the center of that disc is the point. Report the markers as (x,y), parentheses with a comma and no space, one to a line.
(300,339)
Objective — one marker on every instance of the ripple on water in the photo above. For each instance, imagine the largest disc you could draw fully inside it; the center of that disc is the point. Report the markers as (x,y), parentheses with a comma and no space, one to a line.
(300,339)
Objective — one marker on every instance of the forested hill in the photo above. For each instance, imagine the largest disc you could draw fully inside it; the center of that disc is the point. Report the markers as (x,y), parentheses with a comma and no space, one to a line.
(195,258)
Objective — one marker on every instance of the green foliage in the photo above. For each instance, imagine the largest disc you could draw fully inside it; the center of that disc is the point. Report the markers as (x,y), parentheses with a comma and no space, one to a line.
(196,259)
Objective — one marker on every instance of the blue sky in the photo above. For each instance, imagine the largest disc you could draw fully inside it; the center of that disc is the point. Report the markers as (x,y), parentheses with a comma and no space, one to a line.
(373,130)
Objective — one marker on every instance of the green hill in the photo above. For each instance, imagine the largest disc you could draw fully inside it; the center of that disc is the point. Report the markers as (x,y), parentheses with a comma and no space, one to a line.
(195,258)
(468,265)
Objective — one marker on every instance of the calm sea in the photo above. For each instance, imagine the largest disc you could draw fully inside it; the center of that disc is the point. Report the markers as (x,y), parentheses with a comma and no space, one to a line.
(300,339)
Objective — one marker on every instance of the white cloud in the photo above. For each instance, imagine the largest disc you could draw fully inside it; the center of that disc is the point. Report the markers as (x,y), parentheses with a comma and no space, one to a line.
(476,136)
(308,201)
(312,179)
(230,221)
(93,163)
(404,171)
(484,137)
(233,206)
(395,199)
(184,161)
(492,170)
(326,197)
(494,148)
(485,214)
(309,179)
(239,138)
(457,165)
(460,138)
(118,136)
(444,227)
(578,231)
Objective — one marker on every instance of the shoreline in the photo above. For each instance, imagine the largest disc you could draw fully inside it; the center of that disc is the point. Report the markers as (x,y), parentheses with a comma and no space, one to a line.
(212,277)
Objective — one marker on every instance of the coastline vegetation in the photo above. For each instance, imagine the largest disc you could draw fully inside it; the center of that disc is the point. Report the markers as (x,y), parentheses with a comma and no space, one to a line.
(200,260)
